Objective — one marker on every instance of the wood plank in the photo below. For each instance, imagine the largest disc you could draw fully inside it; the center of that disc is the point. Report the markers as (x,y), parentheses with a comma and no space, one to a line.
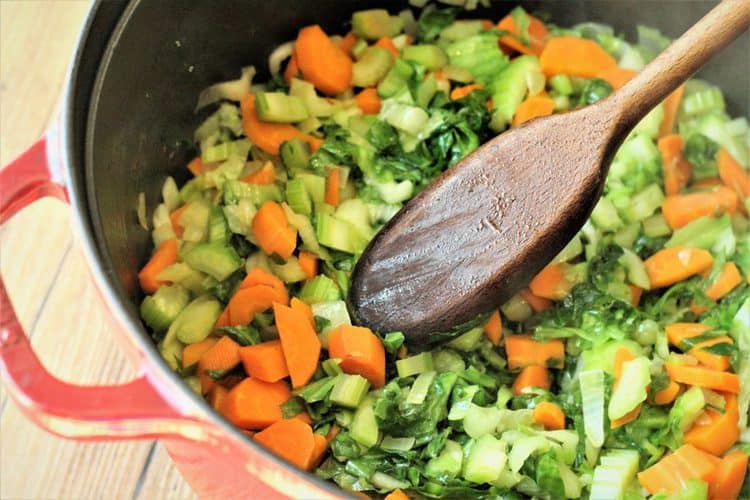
(63,315)
(73,340)
(163,480)
(38,37)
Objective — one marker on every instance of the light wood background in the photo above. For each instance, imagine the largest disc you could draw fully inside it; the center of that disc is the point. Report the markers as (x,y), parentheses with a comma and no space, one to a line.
(46,277)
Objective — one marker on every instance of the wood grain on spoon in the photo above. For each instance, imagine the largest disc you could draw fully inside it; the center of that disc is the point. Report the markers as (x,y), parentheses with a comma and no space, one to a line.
(485,227)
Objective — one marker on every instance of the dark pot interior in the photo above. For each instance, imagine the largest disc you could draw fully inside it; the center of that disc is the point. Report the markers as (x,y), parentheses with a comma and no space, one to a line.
(143,63)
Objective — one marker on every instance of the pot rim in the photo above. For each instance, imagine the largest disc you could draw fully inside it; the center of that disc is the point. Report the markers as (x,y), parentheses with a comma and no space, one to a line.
(62,154)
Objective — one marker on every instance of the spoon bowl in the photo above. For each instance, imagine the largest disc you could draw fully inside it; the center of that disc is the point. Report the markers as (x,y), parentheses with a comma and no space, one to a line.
(486,226)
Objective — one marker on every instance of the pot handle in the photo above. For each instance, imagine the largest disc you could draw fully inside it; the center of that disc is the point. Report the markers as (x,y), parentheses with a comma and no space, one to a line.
(132,410)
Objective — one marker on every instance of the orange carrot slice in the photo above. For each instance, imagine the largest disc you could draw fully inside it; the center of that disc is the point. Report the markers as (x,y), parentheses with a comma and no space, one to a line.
(254,404)
(368,101)
(523,351)
(300,343)
(360,352)
(531,376)
(671,265)
(494,328)
(271,230)
(165,256)
(265,361)
(323,63)
(549,415)
(574,56)
(533,107)
(537,35)
(681,209)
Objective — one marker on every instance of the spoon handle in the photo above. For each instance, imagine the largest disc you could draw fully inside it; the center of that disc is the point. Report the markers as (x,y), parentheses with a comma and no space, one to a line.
(679,61)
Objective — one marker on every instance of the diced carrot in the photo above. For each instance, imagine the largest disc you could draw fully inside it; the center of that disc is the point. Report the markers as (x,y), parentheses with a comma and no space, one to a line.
(732,174)
(222,356)
(360,351)
(678,332)
(671,105)
(272,231)
(487,24)
(319,450)
(671,265)
(259,276)
(523,351)
(635,294)
(532,376)
(291,440)
(304,417)
(728,279)
(368,101)
(348,42)
(192,353)
(706,183)
(174,219)
(720,432)
(533,107)
(292,68)
(216,396)
(308,261)
(551,282)
(300,343)
(574,56)
(704,377)
(397,494)
(247,302)
(460,92)
(322,63)
(269,136)
(195,166)
(254,404)
(538,304)
(387,44)
(617,76)
(549,415)
(537,32)
(264,175)
(676,169)
(304,309)
(669,473)
(726,482)
(264,361)
(332,187)
(668,394)
(494,328)
(165,256)
(681,209)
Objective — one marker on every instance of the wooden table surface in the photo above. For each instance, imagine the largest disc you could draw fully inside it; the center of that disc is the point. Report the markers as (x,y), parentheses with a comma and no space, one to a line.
(46,277)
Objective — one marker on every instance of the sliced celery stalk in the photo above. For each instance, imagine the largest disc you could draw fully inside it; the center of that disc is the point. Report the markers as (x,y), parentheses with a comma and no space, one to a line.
(414,365)
(420,388)
(349,390)
(485,461)
(160,309)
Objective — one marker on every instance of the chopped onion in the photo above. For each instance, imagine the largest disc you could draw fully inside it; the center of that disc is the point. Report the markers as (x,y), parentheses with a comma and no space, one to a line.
(140,211)
(278,55)
(171,194)
(233,90)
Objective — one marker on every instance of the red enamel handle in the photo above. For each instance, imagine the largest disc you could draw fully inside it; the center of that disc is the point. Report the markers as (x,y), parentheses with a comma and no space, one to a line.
(132,410)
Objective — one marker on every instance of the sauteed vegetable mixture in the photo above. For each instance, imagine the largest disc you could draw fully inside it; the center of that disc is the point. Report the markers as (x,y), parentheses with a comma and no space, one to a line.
(621,371)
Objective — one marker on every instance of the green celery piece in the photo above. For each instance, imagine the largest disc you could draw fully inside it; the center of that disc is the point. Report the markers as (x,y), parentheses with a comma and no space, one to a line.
(485,461)
(414,365)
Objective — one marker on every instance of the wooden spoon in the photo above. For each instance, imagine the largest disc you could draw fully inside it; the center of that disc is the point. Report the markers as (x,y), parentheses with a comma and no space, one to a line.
(485,227)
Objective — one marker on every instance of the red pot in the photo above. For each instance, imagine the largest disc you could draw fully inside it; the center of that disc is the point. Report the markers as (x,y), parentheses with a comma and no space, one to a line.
(137,71)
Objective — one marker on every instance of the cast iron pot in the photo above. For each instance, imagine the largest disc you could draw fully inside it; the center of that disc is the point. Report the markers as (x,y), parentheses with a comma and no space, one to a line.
(126,124)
